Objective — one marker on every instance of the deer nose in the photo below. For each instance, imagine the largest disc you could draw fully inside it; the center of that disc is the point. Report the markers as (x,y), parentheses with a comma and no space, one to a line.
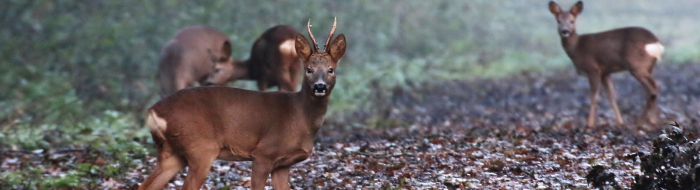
(565,32)
(208,84)
(320,87)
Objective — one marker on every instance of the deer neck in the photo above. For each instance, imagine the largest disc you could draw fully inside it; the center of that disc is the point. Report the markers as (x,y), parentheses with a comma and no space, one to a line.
(314,107)
(570,43)
(240,69)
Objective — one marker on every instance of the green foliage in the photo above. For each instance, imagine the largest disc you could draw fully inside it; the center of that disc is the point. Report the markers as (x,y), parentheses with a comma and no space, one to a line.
(81,72)
(18,179)
(85,70)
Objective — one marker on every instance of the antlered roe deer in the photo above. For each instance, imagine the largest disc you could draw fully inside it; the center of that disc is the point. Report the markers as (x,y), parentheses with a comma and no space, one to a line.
(190,56)
(275,130)
(598,55)
(272,62)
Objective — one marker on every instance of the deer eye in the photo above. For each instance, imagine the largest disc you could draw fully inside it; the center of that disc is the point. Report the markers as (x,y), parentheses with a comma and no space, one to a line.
(330,70)
(217,70)
(309,71)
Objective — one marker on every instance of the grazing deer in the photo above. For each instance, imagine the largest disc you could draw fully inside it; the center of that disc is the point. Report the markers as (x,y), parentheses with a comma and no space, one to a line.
(190,56)
(275,130)
(598,55)
(272,62)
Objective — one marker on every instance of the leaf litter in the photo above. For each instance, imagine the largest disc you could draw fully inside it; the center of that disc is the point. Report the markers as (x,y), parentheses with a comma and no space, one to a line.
(525,131)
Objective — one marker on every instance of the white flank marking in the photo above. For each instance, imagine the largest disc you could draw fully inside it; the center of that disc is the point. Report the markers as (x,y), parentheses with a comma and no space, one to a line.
(655,50)
(156,123)
(287,47)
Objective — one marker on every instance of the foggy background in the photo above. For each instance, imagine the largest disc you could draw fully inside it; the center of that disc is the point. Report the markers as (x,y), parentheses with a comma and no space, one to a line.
(85,70)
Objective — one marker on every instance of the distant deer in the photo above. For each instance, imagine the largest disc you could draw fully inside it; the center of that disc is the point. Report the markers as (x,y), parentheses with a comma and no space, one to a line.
(272,62)
(598,55)
(275,130)
(190,56)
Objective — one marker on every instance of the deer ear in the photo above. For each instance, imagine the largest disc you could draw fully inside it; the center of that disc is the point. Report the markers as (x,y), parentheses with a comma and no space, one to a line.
(554,8)
(302,47)
(337,49)
(226,50)
(215,56)
(577,8)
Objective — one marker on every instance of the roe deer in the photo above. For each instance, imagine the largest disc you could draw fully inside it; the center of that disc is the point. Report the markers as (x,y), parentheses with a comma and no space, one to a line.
(598,55)
(190,56)
(275,130)
(272,62)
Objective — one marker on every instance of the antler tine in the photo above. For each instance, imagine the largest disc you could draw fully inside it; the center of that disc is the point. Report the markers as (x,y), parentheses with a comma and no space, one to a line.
(313,40)
(330,36)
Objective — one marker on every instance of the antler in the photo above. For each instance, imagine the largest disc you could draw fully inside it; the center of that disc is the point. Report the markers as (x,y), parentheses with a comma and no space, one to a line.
(313,40)
(330,37)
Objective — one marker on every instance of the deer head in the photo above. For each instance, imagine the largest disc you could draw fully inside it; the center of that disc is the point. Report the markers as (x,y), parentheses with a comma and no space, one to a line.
(223,72)
(566,21)
(223,65)
(319,66)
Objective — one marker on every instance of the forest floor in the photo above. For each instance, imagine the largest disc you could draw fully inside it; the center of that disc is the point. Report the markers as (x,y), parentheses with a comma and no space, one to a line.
(526,131)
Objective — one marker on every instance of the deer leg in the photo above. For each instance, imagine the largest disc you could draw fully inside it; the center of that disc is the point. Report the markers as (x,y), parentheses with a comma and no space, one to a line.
(165,170)
(652,90)
(286,83)
(280,178)
(594,81)
(287,87)
(199,168)
(167,86)
(261,170)
(610,90)
(262,84)
(294,70)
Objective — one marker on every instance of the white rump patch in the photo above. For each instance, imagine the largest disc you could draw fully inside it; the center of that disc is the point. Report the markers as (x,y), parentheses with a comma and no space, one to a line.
(287,48)
(156,123)
(655,50)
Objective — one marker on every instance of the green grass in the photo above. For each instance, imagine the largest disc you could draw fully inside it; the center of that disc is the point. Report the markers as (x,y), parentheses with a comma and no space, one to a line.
(74,67)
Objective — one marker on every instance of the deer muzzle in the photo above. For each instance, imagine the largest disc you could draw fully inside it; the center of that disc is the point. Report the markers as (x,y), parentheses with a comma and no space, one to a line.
(565,32)
(320,89)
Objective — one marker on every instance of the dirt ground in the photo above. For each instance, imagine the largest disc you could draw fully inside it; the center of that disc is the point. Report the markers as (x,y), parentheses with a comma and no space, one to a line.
(525,131)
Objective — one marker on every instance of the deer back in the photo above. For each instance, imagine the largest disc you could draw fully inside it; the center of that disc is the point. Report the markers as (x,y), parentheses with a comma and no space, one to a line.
(190,56)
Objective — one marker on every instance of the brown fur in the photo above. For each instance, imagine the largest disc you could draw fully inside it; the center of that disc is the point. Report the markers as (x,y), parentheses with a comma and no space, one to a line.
(269,64)
(598,55)
(190,56)
(273,129)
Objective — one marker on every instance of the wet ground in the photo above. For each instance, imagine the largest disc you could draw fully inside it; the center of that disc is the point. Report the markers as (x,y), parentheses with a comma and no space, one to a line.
(525,131)
(535,101)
